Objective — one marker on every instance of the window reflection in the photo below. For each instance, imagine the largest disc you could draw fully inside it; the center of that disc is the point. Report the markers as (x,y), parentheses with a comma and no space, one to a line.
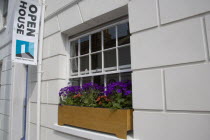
(96,62)
(109,38)
(75,82)
(84,45)
(123,34)
(110,59)
(74,65)
(84,64)
(96,42)
(112,78)
(124,57)
(99,80)
(74,48)
(125,76)
(86,80)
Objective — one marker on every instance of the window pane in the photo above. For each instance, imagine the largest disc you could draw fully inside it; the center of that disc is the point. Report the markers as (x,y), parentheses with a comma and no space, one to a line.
(123,34)
(126,76)
(74,65)
(5,8)
(86,80)
(74,48)
(99,80)
(112,78)
(110,59)
(84,45)
(75,82)
(84,64)
(96,62)
(96,42)
(109,38)
(124,57)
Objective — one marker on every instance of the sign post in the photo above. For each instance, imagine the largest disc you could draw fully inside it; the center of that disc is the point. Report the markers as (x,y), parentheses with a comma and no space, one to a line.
(25,39)
(26,32)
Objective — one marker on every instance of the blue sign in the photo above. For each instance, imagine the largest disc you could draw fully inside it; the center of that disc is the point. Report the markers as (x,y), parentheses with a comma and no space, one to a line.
(24,49)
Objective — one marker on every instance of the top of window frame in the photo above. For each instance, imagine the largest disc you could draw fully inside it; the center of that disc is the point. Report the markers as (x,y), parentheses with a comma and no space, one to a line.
(98,30)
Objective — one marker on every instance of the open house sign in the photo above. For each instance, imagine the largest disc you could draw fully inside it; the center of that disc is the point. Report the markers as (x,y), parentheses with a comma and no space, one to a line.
(26,32)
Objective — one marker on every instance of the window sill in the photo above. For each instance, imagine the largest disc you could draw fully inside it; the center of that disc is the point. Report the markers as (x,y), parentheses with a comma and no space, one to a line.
(3,28)
(88,134)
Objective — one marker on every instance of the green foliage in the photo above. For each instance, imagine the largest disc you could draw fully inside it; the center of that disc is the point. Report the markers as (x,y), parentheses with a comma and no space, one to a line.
(93,99)
(114,97)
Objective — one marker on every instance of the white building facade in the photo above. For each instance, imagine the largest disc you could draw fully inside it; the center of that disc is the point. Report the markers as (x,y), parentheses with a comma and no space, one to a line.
(169,46)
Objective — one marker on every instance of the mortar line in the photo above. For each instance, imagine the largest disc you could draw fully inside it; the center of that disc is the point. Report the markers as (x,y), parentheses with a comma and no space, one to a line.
(175,111)
(169,66)
(163,89)
(172,22)
(158,13)
(205,42)
(80,13)
(59,27)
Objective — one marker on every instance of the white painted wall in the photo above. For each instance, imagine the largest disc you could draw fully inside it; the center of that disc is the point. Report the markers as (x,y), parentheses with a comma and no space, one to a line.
(62,19)
(170,61)
(5,80)
(11,103)
(4,98)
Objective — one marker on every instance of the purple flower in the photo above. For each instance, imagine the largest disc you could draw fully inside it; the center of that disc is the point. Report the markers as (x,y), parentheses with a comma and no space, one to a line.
(119,90)
(88,86)
(118,87)
(128,92)
(112,88)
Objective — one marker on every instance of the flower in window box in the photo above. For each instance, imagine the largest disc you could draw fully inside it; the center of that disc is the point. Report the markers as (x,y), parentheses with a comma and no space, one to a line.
(106,109)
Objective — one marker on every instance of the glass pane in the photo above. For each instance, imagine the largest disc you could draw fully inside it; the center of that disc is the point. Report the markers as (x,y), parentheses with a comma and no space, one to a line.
(74,48)
(124,57)
(74,65)
(99,80)
(110,59)
(123,34)
(96,42)
(96,62)
(84,45)
(112,78)
(86,80)
(5,8)
(109,38)
(75,82)
(126,76)
(84,64)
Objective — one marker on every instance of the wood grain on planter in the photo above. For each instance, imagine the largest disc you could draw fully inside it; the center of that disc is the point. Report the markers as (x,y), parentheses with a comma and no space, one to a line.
(115,121)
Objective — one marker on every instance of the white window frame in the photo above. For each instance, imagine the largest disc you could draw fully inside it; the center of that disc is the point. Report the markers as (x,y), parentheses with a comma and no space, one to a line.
(104,73)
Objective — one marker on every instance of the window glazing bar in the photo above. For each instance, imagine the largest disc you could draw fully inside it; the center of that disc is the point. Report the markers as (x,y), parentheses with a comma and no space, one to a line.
(117,51)
(102,49)
(79,57)
(90,62)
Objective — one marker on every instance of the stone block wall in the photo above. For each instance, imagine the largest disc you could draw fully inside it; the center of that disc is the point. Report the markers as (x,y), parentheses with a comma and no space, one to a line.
(171,69)
(170,61)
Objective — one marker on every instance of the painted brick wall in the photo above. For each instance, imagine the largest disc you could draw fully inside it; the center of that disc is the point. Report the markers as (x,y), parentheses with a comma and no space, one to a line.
(6,76)
(60,17)
(170,61)
(4,102)
(5,99)
(5,80)
(171,69)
